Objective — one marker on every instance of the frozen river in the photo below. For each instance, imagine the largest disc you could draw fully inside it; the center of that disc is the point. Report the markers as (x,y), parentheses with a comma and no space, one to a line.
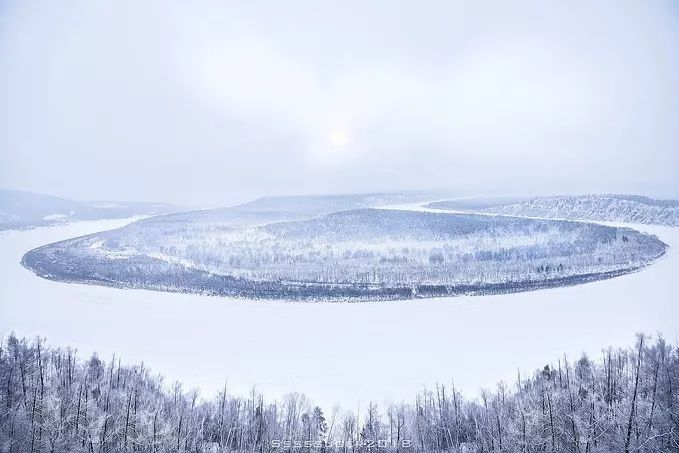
(347,353)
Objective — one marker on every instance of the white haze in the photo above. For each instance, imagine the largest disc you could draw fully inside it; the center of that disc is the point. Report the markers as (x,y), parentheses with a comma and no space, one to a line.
(214,102)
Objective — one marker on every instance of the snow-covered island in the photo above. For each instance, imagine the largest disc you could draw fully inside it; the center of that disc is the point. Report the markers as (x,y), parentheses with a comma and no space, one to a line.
(342,248)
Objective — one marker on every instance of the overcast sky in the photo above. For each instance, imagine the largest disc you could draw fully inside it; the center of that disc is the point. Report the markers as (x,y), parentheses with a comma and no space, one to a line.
(213,102)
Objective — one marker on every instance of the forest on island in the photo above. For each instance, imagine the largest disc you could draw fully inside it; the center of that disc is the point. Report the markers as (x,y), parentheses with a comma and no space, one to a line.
(357,254)
(627,400)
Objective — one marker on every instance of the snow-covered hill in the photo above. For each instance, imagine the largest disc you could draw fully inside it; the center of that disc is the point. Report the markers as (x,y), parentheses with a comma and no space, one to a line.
(324,204)
(613,208)
(20,209)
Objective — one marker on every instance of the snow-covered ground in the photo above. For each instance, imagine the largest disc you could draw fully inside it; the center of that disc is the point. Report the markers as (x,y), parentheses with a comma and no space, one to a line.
(345,353)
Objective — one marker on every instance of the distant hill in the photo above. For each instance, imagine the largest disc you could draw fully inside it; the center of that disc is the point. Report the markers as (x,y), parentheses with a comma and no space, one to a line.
(325,204)
(19,209)
(278,208)
(606,207)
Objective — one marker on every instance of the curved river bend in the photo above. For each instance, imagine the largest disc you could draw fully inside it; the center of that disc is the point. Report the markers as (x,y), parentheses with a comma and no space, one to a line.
(347,353)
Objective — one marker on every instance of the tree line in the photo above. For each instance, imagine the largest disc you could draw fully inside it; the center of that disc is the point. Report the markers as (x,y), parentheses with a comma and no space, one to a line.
(627,401)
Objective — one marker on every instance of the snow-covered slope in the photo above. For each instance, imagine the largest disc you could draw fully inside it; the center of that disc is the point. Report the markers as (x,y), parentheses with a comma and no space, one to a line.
(611,208)
(324,204)
(20,209)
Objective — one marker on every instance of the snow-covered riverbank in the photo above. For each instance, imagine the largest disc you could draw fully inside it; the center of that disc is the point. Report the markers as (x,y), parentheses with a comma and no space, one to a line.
(345,353)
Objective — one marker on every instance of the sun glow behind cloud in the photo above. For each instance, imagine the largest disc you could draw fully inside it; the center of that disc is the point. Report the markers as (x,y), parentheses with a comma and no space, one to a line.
(338,138)
(501,94)
(544,94)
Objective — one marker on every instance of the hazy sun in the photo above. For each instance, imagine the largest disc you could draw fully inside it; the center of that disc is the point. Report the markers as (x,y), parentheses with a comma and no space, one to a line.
(338,138)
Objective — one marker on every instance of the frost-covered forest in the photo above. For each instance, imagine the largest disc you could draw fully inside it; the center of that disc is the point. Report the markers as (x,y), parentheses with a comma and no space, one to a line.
(626,400)
(376,253)
(615,208)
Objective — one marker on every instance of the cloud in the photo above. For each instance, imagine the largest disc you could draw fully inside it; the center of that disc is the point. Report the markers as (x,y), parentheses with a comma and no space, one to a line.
(239,100)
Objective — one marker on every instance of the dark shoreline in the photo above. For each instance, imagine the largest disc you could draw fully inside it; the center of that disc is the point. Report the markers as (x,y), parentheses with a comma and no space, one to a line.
(203,283)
